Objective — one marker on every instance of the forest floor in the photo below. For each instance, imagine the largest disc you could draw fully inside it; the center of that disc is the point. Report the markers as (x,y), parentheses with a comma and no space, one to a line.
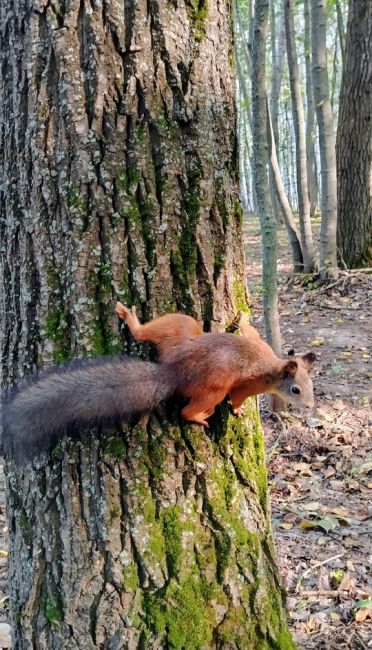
(320,470)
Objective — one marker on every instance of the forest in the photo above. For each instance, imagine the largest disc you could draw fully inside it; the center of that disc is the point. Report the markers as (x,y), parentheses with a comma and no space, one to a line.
(185,340)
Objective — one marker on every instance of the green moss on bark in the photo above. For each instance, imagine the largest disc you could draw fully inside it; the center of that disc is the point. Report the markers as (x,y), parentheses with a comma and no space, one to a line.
(197,11)
(53,612)
(182,614)
(130,578)
(172,530)
(114,447)
(240,296)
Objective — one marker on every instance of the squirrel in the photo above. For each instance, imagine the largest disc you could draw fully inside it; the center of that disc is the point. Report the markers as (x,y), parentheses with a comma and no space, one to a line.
(201,367)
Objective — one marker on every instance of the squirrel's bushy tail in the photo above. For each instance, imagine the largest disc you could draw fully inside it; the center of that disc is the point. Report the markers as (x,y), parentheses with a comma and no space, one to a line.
(86,392)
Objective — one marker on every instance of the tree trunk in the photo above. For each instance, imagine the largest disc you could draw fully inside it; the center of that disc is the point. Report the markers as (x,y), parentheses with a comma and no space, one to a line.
(119,178)
(300,134)
(341,30)
(354,141)
(278,57)
(276,182)
(312,172)
(290,224)
(328,256)
(260,159)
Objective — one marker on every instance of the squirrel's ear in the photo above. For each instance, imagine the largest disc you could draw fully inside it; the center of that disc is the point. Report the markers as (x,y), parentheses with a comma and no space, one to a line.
(291,353)
(289,369)
(309,358)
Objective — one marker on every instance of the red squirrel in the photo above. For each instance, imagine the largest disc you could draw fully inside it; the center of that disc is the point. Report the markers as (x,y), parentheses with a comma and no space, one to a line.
(201,367)
(212,366)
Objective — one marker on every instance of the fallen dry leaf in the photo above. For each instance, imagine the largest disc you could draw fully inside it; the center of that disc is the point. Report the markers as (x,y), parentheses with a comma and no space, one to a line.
(313,506)
(362,614)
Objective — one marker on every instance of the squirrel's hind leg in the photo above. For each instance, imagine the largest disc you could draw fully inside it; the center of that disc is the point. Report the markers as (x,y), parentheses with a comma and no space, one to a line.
(201,408)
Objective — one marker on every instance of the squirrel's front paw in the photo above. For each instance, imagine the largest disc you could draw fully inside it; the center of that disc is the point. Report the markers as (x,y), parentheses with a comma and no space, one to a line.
(122,311)
(239,411)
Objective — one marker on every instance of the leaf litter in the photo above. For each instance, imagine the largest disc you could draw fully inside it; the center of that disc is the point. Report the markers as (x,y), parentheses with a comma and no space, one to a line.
(320,467)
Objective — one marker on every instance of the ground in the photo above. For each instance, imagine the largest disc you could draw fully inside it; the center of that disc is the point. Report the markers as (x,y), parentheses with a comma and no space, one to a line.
(320,489)
(318,469)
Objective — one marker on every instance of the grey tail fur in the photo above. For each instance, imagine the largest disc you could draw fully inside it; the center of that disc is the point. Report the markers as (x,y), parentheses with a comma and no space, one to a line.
(84,392)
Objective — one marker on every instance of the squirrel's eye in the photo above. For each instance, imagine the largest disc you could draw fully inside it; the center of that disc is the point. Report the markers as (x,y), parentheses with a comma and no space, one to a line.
(295,390)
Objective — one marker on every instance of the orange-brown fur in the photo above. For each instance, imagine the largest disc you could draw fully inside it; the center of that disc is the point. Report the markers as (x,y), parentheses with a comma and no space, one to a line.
(209,367)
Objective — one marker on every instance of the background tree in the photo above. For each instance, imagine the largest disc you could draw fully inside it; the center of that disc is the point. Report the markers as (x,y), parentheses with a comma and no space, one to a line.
(354,141)
(276,182)
(119,178)
(311,165)
(300,134)
(328,250)
(278,48)
(260,174)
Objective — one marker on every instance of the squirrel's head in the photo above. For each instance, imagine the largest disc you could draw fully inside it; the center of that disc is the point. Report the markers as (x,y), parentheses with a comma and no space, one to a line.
(293,382)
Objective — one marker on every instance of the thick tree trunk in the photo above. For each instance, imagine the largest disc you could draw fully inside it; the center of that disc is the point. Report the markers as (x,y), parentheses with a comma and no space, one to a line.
(328,256)
(260,158)
(308,250)
(312,172)
(119,178)
(354,141)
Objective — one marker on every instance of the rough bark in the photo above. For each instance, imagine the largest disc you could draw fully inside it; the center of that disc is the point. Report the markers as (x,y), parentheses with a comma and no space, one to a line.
(328,254)
(308,250)
(119,178)
(354,141)
(260,160)
(312,172)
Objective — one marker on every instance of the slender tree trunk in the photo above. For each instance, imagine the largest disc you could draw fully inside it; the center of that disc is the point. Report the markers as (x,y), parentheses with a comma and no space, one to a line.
(260,158)
(312,172)
(328,256)
(289,221)
(341,29)
(276,182)
(277,71)
(334,75)
(300,134)
(274,199)
(242,156)
(118,177)
(354,140)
